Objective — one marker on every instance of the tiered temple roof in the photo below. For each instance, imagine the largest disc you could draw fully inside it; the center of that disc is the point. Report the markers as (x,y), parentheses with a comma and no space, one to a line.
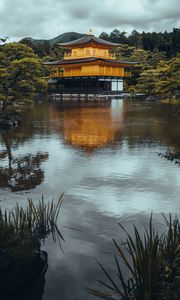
(89,60)
(89,39)
(89,64)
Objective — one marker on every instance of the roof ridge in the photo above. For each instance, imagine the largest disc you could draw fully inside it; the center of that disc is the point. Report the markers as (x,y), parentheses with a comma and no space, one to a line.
(88,39)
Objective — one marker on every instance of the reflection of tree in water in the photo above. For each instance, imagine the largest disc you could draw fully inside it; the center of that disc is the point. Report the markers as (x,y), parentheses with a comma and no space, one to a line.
(149,122)
(22,172)
(173,154)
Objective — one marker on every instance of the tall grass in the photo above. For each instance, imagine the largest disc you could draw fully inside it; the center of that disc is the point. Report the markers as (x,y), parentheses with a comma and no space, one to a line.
(153,264)
(23,229)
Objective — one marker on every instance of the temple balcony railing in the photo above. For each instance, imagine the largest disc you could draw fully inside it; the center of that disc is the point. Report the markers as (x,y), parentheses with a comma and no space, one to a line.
(82,74)
(73,56)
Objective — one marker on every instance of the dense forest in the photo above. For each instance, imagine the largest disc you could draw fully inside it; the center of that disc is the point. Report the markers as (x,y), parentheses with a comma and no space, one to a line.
(167,42)
(158,57)
(156,73)
(157,54)
(21,74)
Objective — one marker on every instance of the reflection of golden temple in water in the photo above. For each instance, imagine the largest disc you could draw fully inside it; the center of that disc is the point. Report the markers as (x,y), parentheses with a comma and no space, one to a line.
(88,128)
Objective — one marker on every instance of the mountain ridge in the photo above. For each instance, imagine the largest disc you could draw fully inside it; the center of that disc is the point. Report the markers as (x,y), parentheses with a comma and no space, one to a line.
(62,38)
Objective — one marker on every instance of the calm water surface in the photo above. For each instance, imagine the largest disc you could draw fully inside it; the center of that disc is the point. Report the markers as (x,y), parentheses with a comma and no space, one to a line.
(104,158)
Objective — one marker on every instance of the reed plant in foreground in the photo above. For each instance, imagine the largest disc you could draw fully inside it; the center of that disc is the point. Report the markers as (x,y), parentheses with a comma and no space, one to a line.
(153,264)
(23,229)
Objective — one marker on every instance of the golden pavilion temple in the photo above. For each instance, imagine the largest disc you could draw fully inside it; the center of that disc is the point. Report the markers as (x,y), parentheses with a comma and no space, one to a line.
(89,66)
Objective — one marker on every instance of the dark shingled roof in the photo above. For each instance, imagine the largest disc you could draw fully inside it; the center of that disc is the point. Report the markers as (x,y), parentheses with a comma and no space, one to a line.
(87,39)
(87,60)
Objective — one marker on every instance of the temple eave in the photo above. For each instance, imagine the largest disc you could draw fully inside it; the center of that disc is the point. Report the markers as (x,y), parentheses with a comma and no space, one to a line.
(89,60)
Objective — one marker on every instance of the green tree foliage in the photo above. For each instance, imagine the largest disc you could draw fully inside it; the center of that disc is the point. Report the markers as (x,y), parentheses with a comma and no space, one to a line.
(155,52)
(118,37)
(163,80)
(56,52)
(21,72)
(135,39)
(168,42)
(154,73)
(42,49)
(147,60)
(104,36)
(146,81)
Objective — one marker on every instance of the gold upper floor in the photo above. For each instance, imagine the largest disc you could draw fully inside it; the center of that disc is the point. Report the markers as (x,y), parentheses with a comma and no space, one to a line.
(89,51)
(88,70)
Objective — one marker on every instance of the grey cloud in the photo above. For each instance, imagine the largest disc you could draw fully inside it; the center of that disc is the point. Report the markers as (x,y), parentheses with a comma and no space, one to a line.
(20,18)
(148,14)
(81,11)
(48,18)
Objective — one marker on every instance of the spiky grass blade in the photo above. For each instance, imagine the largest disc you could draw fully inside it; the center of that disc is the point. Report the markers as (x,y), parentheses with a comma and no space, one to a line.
(153,263)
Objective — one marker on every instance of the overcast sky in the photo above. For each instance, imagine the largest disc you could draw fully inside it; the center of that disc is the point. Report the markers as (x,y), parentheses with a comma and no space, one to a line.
(49,18)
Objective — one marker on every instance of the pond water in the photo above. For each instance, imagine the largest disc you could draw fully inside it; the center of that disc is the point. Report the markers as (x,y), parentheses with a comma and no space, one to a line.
(104,158)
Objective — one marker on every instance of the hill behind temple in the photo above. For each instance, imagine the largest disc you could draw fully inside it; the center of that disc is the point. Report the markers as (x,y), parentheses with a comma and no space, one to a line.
(62,38)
